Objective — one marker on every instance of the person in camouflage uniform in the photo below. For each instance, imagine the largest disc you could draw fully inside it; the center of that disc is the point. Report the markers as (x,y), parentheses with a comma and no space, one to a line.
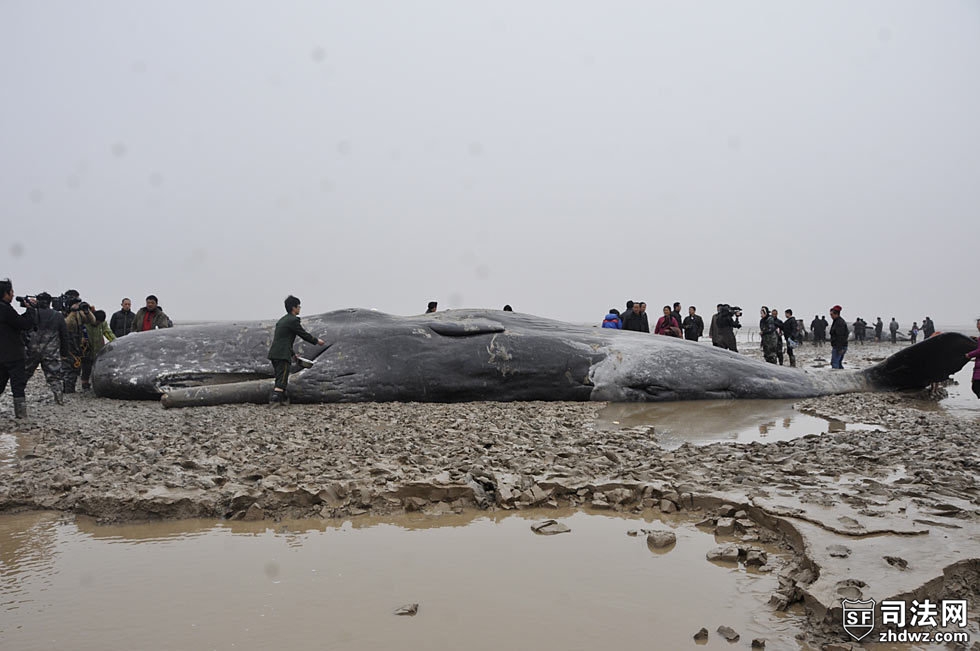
(770,336)
(79,316)
(47,344)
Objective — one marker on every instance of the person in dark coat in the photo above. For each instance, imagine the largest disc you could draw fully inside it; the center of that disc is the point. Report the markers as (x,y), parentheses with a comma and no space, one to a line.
(791,335)
(818,329)
(839,334)
(725,325)
(928,328)
(879,326)
(124,321)
(626,316)
(693,325)
(281,352)
(13,352)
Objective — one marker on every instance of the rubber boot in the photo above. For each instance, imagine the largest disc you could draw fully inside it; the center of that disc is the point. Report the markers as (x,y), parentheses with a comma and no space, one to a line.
(20,407)
(276,399)
(58,395)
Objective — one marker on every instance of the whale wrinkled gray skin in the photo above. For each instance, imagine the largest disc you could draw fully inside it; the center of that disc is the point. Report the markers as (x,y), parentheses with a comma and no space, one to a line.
(469,355)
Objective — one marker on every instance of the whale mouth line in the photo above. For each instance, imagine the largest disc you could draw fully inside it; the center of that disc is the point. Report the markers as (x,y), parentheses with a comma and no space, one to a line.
(191,380)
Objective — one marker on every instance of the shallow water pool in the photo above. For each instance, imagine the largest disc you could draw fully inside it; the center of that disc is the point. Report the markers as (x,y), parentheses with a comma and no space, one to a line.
(481,582)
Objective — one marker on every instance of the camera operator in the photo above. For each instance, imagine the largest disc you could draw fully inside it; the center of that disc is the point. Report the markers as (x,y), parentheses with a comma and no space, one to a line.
(47,344)
(726,324)
(79,315)
(12,349)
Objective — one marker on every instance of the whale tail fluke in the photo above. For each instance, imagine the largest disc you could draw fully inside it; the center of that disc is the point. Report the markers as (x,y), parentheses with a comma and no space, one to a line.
(919,365)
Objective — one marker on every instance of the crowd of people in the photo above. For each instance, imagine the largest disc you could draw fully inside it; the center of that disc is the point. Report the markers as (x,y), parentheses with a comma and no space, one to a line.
(62,335)
(779,336)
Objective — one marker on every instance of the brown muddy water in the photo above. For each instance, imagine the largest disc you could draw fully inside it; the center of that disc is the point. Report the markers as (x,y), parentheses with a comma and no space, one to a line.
(710,421)
(481,582)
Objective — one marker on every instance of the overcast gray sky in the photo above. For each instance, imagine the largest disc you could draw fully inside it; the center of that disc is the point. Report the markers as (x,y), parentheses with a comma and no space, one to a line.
(560,156)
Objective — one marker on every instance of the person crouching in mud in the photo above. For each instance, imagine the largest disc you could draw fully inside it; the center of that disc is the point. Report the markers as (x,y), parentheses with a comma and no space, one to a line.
(281,351)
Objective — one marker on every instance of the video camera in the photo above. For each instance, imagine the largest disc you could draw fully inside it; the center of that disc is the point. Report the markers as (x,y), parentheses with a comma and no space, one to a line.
(23,300)
(730,310)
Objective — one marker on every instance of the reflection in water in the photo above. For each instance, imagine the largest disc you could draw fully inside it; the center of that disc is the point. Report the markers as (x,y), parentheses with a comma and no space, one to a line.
(709,421)
(483,581)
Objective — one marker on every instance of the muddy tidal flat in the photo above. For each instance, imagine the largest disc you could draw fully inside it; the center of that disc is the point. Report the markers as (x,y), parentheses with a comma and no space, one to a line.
(891,510)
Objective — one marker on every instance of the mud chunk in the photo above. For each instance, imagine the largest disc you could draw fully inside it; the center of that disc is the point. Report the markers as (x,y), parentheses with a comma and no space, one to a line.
(728,633)
(701,636)
(758,643)
(254,513)
(838,551)
(666,506)
(851,588)
(725,553)
(725,527)
(895,561)
(409,610)
(549,527)
(756,557)
(661,539)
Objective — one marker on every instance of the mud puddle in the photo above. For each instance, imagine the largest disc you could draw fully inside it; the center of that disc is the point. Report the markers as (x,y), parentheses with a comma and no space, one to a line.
(481,582)
(961,400)
(709,421)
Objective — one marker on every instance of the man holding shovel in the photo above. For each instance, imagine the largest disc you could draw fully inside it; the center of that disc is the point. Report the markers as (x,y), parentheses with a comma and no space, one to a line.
(281,352)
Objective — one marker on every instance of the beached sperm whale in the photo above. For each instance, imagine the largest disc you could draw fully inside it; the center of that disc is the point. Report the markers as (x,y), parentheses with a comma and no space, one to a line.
(464,355)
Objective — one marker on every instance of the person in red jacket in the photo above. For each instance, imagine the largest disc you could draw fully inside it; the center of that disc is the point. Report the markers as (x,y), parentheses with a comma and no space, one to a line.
(975,356)
(667,324)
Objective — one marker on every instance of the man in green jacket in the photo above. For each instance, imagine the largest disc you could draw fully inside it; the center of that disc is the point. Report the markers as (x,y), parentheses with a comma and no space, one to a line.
(281,352)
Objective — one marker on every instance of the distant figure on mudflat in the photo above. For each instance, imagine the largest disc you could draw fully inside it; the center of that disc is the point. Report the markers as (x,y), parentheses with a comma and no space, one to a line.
(676,313)
(693,325)
(879,326)
(792,336)
(769,333)
(819,329)
(779,334)
(928,328)
(432,307)
(838,338)
(893,329)
(914,332)
(612,320)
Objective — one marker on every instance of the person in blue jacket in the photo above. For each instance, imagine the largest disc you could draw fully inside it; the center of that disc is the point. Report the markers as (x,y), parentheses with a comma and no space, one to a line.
(612,320)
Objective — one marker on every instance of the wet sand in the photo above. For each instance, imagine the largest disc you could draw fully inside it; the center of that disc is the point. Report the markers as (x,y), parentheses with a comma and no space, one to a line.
(908,491)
